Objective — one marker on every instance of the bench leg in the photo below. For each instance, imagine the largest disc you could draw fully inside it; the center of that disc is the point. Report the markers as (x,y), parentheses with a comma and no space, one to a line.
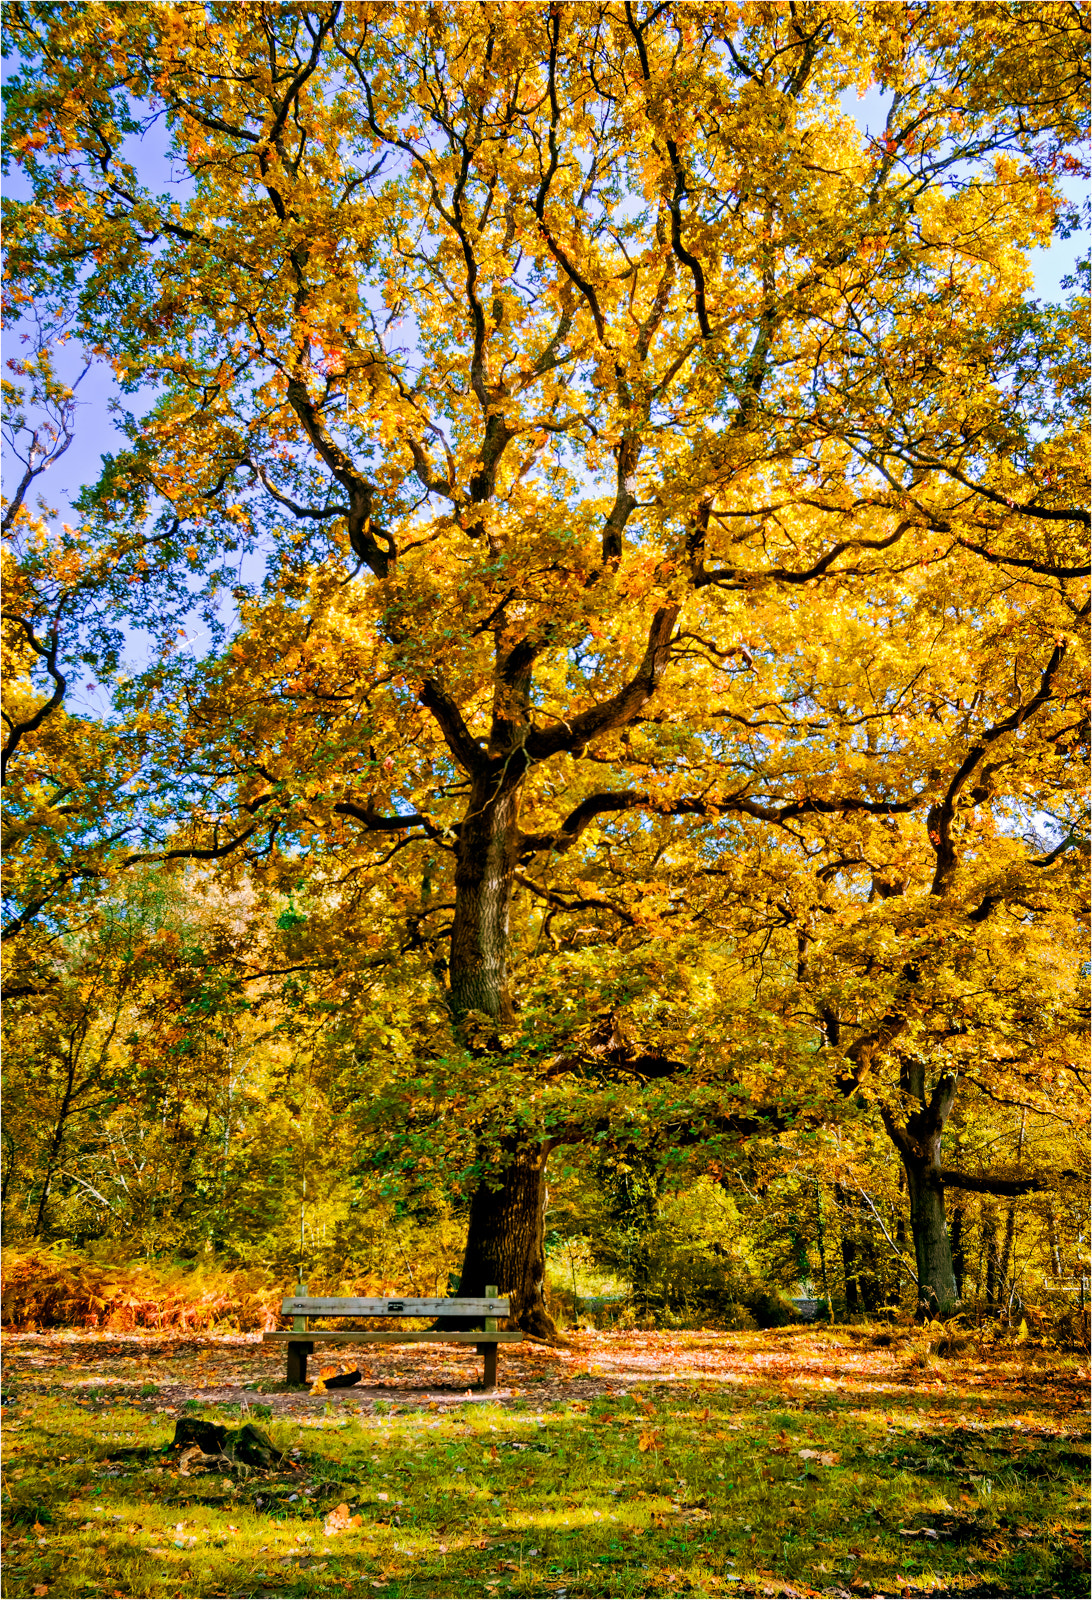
(298,1351)
(489,1351)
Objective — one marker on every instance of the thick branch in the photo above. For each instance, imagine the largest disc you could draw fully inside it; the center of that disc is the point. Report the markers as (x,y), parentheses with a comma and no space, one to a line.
(560,839)
(460,741)
(988,1184)
(941,815)
(621,708)
(783,574)
(359,489)
(1047,568)
(376,823)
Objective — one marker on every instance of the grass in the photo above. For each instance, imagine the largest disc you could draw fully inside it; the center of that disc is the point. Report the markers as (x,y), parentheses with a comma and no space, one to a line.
(656,1488)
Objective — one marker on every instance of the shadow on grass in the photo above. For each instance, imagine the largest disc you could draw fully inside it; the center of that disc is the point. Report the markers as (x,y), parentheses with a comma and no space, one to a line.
(792,1474)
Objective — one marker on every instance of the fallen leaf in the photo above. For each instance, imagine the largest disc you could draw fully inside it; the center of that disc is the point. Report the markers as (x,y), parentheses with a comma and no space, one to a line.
(339,1520)
(193,1459)
(648,1440)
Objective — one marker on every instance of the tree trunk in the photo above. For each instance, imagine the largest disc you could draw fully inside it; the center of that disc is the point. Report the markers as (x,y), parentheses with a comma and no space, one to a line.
(55,1147)
(860,1260)
(1004,1287)
(989,1246)
(504,1244)
(918,1142)
(485,862)
(869,1276)
(937,1295)
(505,1241)
(847,1203)
(959,1254)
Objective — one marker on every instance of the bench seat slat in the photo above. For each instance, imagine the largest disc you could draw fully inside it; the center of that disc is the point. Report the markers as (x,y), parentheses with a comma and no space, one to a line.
(333,1306)
(367,1336)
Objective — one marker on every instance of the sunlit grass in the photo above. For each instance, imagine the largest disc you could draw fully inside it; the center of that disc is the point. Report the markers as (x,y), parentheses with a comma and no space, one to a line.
(685,1486)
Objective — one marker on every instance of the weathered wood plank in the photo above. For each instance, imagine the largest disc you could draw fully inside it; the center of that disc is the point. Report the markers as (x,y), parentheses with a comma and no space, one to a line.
(368,1336)
(334,1306)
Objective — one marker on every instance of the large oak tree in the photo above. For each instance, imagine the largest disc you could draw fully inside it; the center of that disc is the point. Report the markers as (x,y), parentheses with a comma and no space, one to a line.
(653,474)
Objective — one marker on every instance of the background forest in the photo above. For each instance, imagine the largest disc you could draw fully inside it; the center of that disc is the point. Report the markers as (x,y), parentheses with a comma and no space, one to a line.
(588,611)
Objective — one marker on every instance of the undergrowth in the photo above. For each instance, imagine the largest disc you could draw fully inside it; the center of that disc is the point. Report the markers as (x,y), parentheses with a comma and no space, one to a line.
(55,1286)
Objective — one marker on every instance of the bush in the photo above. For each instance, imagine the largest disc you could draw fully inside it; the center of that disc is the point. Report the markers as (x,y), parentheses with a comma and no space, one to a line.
(690,1267)
(771,1308)
(55,1286)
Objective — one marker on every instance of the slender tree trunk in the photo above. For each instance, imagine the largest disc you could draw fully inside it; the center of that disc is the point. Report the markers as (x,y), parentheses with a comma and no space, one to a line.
(9,1170)
(864,1288)
(1055,1244)
(959,1256)
(869,1277)
(900,1240)
(847,1205)
(989,1244)
(1006,1256)
(55,1148)
(821,1240)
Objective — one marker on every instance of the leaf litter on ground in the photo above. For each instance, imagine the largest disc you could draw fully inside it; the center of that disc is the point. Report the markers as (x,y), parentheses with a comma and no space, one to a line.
(803,1461)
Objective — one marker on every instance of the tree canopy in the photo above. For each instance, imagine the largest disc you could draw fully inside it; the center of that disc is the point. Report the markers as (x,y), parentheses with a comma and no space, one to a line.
(638,522)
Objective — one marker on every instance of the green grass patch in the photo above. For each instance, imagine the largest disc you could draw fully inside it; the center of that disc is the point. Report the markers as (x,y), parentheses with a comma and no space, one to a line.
(668,1488)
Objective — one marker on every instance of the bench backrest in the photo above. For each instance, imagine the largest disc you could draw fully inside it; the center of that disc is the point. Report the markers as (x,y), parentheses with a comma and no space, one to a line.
(332,1306)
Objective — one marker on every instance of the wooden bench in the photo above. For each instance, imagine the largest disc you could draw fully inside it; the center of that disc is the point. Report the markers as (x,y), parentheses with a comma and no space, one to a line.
(301,1340)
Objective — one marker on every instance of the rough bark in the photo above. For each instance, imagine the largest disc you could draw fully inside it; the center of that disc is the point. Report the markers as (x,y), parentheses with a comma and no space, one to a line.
(918,1142)
(505,1242)
(937,1296)
(505,1234)
(485,862)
